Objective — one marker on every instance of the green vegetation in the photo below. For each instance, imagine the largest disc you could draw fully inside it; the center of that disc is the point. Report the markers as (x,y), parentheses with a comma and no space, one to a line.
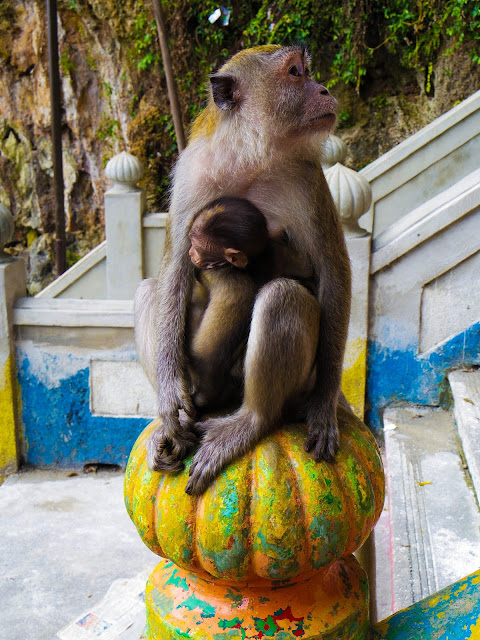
(349,34)
(145,51)
(66,63)
(8,26)
(349,42)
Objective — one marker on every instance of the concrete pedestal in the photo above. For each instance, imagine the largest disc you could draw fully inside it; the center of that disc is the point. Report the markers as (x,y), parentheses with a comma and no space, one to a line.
(329,603)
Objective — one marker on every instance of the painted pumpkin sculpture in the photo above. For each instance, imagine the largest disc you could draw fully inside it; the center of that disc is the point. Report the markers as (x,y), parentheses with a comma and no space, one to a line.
(266,551)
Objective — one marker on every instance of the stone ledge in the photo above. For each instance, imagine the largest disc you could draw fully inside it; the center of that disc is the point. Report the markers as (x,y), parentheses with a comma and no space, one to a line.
(64,312)
(466,393)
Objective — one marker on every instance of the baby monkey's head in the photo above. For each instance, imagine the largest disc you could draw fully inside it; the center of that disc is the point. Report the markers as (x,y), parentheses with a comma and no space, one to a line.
(227,231)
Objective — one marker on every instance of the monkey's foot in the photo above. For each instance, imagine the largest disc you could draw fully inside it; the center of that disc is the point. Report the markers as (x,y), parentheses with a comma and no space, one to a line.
(323,440)
(207,464)
(225,439)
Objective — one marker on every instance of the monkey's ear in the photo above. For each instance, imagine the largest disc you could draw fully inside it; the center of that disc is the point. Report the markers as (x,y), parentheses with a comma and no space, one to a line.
(236,257)
(223,90)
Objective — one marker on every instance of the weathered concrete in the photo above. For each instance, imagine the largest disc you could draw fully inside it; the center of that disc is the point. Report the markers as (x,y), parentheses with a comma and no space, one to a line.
(434,518)
(413,308)
(466,394)
(57,340)
(63,541)
(354,376)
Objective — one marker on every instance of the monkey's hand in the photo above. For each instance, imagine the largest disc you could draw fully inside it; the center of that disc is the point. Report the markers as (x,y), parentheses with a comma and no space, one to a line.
(174,438)
(170,444)
(323,435)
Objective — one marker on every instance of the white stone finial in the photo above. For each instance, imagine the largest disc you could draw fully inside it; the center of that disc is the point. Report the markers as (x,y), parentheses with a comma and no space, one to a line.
(352,194)
(7,227)
(335,150)
(125,171)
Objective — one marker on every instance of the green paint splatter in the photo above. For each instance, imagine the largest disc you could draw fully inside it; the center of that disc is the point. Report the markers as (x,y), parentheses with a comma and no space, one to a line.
(235,623)
(193,602)
(178,581)
(229,505)
(267,626)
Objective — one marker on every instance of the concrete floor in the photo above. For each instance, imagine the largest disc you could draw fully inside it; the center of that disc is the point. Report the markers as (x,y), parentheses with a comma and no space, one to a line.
(63,541)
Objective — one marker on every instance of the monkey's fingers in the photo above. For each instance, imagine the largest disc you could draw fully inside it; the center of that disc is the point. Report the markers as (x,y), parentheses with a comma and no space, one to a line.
(183,443)
(159,457)
(186,421)
(184,399)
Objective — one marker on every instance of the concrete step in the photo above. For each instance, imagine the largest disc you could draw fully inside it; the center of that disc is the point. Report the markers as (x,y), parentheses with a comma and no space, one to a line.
(466,394)
(429,533)
(63,541)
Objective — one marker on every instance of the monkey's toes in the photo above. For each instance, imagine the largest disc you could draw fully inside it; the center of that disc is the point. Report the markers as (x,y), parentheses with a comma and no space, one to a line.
(203,470)
(199,482)
(323,445)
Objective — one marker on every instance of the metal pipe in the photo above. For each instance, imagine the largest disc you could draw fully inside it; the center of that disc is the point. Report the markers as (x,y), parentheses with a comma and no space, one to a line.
(55,109)
(167,65)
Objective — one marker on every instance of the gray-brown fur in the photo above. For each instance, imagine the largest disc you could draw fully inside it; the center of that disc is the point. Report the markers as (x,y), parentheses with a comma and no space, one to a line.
(264,147)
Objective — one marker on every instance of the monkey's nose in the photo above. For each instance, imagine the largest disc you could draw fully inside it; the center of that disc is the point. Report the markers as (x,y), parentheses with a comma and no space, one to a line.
(324,91)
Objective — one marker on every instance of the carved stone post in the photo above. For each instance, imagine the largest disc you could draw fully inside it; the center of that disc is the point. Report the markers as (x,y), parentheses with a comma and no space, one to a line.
(353,196)
(267,550)
(12,286)
(124,208)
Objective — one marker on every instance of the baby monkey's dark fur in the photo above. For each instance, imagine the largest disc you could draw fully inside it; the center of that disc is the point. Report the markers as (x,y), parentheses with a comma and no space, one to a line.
(230,248)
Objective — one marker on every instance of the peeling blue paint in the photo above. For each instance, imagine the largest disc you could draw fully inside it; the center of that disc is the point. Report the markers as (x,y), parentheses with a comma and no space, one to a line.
(408,376)
(453,612)
(59,429)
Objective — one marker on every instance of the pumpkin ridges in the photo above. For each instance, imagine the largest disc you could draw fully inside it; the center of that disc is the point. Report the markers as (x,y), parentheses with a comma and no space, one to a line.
(174,509)
(306,548)
(146,509)
(276,528)
(290,515)
(297,432)
(249,515)
(222,539)
(133,464)
(361,520)
(154,511)
(363,442)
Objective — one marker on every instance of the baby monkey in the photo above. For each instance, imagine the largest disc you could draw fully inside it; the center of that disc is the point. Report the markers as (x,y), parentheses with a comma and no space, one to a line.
(229,247)
(227,231)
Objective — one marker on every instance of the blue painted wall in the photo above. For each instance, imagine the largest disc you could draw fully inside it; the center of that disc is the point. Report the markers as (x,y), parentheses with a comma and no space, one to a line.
(404,375)
(59,429)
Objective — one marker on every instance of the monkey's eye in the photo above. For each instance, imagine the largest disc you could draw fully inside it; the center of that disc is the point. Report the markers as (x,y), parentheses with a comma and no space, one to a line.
(293,71)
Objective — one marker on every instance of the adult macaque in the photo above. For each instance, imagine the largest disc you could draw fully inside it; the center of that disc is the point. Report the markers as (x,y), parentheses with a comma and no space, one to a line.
(258,138)
(229,247)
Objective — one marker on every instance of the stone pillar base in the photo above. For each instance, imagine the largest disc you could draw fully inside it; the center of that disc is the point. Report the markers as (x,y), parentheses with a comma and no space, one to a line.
(330,603)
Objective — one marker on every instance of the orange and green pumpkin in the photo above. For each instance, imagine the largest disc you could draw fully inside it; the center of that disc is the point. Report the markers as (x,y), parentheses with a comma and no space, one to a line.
(273,514)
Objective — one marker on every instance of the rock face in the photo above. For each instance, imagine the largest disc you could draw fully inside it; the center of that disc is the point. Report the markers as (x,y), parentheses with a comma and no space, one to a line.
(98,86)
(114,98)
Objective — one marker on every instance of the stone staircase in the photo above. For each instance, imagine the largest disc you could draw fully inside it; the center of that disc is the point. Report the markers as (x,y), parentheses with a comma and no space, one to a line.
(429,532)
